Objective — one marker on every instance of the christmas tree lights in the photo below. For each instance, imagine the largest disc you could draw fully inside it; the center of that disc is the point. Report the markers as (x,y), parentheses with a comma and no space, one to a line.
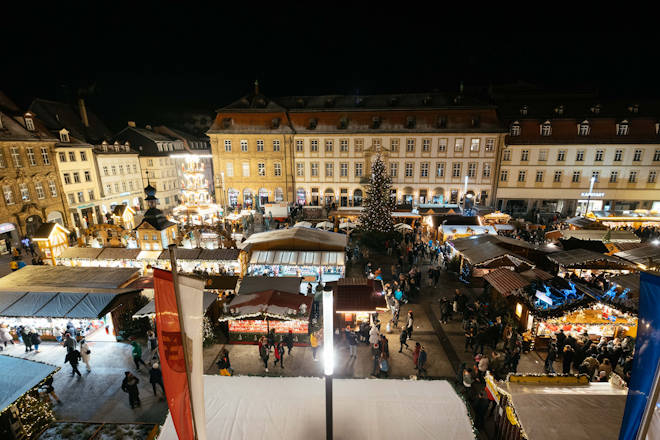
(378,205)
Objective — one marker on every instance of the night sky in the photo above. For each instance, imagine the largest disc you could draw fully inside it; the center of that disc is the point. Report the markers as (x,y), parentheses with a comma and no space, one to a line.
(153,62)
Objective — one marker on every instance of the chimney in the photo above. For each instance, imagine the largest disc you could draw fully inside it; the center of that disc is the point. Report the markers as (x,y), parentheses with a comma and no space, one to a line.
(83,112)
(131,124)
(256,86)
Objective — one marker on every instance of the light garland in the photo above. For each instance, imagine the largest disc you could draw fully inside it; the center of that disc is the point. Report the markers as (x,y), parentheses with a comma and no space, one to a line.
(258,315)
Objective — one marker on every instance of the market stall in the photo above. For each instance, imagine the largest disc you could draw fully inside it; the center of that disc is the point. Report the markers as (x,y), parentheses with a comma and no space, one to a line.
(52,239)
(357,300)
(259,284)
(639,218)
(496,218)
(645,257)
(313,266)
(149,310)
(198,260)
(452,232)
(253,315)
(584,263)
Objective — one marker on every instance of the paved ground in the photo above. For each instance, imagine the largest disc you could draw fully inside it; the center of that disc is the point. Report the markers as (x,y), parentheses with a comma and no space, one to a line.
(97,396)
(4,263)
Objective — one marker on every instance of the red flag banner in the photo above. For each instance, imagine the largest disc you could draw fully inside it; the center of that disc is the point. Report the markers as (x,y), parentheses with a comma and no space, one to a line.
(170,348)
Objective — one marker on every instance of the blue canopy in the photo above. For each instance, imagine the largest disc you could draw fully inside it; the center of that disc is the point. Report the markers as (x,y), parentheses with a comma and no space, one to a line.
(19,376)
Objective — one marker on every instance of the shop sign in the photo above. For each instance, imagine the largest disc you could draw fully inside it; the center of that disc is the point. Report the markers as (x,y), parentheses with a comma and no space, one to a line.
(543,297)
(592,194)
(6,227)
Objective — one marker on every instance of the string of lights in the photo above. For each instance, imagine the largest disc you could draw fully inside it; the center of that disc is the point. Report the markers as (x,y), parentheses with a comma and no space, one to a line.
(378,204)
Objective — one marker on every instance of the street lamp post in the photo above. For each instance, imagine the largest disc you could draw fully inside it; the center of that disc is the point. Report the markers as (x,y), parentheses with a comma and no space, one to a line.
(591,188)
(465,193)
(328,356)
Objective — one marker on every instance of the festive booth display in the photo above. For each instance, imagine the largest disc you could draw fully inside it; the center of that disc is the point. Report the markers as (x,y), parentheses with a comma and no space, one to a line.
(197,207)
(52,239)
(496,218)
(356,300)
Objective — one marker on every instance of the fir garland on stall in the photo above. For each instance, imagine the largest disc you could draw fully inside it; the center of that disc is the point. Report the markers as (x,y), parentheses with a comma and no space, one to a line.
(378,203)
(35,413)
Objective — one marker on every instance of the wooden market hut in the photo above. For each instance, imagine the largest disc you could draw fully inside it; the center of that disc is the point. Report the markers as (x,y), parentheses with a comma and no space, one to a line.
(52,239)
(355,299)
(583,259)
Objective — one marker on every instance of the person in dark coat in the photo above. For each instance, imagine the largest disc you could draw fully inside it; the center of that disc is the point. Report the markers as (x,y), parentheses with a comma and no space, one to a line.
(263,353)
(561,341)
(552,355)
(384,346)
(27,339)
(279,354)
(567,359)
(156,378)
(421,362)
(36,340)
(271,339)
(130,385)
(73,358)
(402,340)
(288,340)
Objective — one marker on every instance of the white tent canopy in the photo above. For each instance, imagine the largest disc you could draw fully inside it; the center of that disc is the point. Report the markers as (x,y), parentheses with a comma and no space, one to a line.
(402,227)
(325,226)
(293,408)
(303,225)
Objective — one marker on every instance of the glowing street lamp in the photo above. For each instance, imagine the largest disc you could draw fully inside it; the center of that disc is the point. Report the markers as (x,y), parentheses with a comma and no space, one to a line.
(591,189)
(465,193)
(328,356)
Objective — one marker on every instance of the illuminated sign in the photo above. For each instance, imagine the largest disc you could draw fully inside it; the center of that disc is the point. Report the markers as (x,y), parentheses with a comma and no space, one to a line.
(592,194)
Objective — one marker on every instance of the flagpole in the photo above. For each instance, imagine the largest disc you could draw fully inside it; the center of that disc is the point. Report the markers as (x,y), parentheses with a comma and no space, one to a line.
(184,339)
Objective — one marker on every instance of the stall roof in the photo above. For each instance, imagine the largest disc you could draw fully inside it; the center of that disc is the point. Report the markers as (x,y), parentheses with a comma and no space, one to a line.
(506,281)
(219,254)
(478,251)
(628,281)
(274,303)
(580,222)
(25,375)
(640,255)
(148,255)
(149,309)
(537,273)
(298,258)
(299,239)
(57,277)
(576,257)
(601,235)
(221,282)
(119,254)
(80,253)
(499,227)
(259,284)
(467,229)
(405,214)
(181,254)
(72,303)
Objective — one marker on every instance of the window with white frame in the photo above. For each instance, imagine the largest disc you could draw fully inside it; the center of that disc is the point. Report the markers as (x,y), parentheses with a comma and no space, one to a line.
(456,170)
(314,169)
(72,198)
(16,157)
(134,168)
(117,187)
(230,169)
(260,145)
(81,197)
(442,145)
(539,176)
(358,169)
(277,169)
(314,145)
(29,123)
(25,191)
(524,155)
(458,144)
(599,155)
(613,176)
(394,169)
(504,175)
(72,156)
(506,155)
(579,156)
(514,130)
(329,145)
(9,194)
(595,175)
(130,185)
(576,177)
(300,146)
(52,186)
(584,128)
(424,169)
(426,145)
(343,169)
(343,145)
(244,145)
(409,169)
(394,145)
(410,145)
(329,169)
(546,128)
(561,155)
(228,145)
(276,145)
(62,156)
(108,189)
(439,169)
(490,145)
(261,169)
(300,170)
(557,177)
(543,155)
(114,170)
(472,169)
(90,192)
(637,155)
(486,170)
(521,175)
(45,156)
(358,145)
(121,169)
(632,178)
(652,176)
(622,128)
(618,155)
(246,169)
(31,157)
(474,144)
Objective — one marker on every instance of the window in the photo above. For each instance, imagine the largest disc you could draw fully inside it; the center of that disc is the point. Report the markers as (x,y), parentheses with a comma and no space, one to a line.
(76,177)
(561,155)
(472,169)
(506,155)
(25,191)
(314,145)
(67,178)
(579,156)
(329,169)
(656,156)
(394,169)
(228,145)
(45,157)
(515,129)
(276,145)
(584,128)
(504,175)
(150,162)
(524,155)
(458,144)
(632,178)
(456,170)
(410,145)
(90,193)
(394,145)
(300,169)
(539,176)
(599,155)
(246,169)
(16,157)
(358,170)
(424,169)
(637,156)
(343,169)
(72,156)
(53,188)
(277,169)
(490,145)
(343,145)
(576,177)
(121,169)
(314,170)
(31,157)
(543,155)
(474,145)
(328,145)
(81,197)
(261,169)
(3,164)
(130,185)
(108,189)
(442,145)
(29,123)
(486,170)
(244,145)
(72,198)
(426,145)
(557,177)
(595,175)
(521,175)
(439,169)
(409,169)
(117,187)
(83,156)
(622,128)
(230,169)
(134,168)
(618,154)
(300,146)
(652,176)
(9,195)
(546,128)
(62,157)
(359,145)
(613,176)
(114,170)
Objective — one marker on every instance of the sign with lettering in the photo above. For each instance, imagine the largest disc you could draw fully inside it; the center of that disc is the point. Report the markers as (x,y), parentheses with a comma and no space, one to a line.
(592,194)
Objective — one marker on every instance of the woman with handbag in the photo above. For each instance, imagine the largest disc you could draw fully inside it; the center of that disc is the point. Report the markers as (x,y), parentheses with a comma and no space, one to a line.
(84,353)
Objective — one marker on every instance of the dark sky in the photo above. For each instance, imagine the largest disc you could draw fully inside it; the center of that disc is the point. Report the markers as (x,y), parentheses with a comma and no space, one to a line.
(148,60)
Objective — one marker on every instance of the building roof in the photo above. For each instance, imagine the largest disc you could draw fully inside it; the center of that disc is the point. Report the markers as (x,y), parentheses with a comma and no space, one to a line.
(580,222)
(222,282)
(13,124)
(149,308)
(80,253)
(579,257)
(506,281)
(605,235)
(56,277)
(536,273)
(298,258)
(251,284)
(118,254)
(641,255)
(156,219)
(358,298)
(146,141)
(296,239)
(25,375)
(219,254)
(271,303)
(46,229)
(57,115)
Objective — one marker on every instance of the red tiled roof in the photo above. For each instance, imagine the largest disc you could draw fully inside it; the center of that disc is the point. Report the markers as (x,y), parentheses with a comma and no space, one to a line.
(505,281)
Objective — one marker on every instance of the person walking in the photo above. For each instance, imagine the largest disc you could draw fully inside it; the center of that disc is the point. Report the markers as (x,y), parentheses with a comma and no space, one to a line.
(137,355)
(130,385)
(84,353)
(156,378)
(5,336)
(153,342)
(402,340)
(264,354)
(27,339)
(69,343)
(552,355)
(314,342)
(384,346)
(409,324)
(271,339)
(35,339)
(50,390)
(352,344)
(384,366)
(288,340)
(224,364)
(279,354)
(567,359)
(73,357)
(421,362)
(416,351)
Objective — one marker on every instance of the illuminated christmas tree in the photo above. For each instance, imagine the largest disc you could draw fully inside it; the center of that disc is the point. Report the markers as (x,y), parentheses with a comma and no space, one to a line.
(378,205)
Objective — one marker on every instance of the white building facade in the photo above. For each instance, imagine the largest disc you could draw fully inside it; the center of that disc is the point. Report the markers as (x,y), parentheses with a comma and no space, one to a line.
(120,176)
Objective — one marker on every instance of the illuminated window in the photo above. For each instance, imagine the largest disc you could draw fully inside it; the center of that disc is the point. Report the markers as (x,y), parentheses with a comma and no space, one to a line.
(474,144)
(276,145)
(314,145)
(261,169)
(557,177)
(228,145)
(394,169)
(244,146)
(424,169)
(458,144)
(31,157)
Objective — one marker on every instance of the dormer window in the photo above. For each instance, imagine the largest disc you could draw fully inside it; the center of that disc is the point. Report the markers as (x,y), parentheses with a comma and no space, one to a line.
(622,128)
(275,123)
(427,100)
(523,110)
(442,121)
(104,146)
(116,145)
(64,135)
(546,128)
(634,108)
(343,123)
(595,109)
(657,128)
(29,121)
(375,122)
(410,122)
(584,128)
(300,102)
(226,122)
(127,146)
(514,130)
(359,101)
(312,123)
(330,102)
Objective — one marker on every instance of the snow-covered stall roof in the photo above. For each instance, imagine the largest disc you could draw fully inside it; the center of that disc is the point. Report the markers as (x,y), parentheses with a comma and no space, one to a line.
(149,308)
(271,303)
(23,376)
(365,409)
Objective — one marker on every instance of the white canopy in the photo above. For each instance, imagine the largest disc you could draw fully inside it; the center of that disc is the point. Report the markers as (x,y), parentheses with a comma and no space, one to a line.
(303,225)
(293,408)
(402,227)
(325,226)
